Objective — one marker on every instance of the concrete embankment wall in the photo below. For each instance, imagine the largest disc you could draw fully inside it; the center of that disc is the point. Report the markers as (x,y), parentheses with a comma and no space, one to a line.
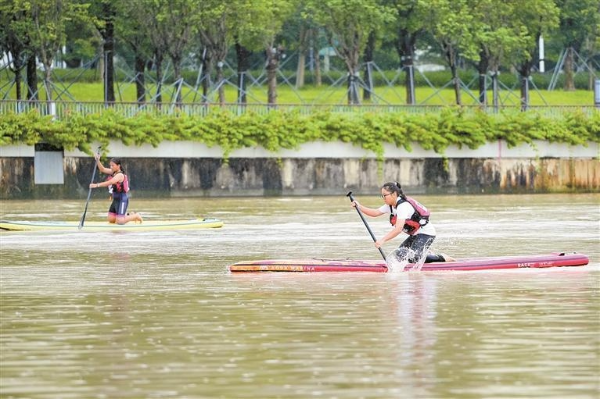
(192,169)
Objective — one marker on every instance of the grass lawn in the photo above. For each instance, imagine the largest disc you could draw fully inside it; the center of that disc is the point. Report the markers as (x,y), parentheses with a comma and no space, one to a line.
(94,92)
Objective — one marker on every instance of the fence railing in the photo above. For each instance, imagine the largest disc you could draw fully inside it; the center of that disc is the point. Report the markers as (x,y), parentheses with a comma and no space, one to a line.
(61,109)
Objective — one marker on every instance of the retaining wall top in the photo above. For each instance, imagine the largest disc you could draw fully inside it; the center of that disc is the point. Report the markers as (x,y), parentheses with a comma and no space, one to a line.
(187,149)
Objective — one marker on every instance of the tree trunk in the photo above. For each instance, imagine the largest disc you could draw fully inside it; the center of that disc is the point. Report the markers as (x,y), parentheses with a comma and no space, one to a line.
(158,60)
(351,55)
(221,55)
(525,72)
(17,71)
(243,55)
(405,46)
(318,77)
(48,80)
(274,54)
(302,47)
(482,68)
(495,89)
(108,49)
(220,79)
(15,49)
(353,96)
(569,73)
(206,72)
(18,79)
(368,72)
(50,105)
(300,70)
(178,78)
(109,74)
(32,81)
(450,53)
(456,84)
(140,78)
(316,58)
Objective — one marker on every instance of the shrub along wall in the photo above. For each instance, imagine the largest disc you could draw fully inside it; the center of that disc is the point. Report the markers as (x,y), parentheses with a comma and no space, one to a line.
(288,130)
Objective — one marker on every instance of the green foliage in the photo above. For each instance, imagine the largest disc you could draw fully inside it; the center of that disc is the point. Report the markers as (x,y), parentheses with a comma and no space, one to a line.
(278,130)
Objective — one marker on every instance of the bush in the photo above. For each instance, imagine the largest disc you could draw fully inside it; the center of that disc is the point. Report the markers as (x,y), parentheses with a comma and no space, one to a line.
(287,130)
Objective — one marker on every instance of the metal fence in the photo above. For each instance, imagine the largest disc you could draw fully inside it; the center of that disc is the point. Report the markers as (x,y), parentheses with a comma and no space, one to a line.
(62,109)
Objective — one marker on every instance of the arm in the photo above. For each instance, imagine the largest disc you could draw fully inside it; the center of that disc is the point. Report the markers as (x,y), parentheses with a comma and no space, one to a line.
(367,211)
(390,235)
(403,212)
(118,178)
(101,168)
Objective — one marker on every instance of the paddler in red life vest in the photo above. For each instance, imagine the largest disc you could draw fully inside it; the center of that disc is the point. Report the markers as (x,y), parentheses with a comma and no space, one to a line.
(118,186)
(408,217)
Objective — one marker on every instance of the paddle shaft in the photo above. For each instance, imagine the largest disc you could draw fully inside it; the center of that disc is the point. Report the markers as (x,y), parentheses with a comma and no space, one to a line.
(349,195)
(88,197)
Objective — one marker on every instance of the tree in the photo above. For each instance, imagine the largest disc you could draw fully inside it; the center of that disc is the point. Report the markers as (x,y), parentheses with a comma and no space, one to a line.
(276,12)
(106,28)
(348,24)
(217,19)
(14,38)
(258,24)
(130,29)
(50,18)
(152,20)
(498,34)
(535,18)
(454,27)
(578,20)
(176,22)
(411,20)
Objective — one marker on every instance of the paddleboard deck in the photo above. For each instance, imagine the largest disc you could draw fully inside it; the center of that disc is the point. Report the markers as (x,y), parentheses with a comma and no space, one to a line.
(147,225)
(490,263)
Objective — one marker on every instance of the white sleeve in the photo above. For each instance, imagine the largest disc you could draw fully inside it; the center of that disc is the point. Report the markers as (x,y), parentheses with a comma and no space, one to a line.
(384,209)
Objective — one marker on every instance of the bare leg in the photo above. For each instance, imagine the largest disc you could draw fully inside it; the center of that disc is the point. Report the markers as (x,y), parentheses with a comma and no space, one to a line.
(448,258)
(432,257)
(134,216)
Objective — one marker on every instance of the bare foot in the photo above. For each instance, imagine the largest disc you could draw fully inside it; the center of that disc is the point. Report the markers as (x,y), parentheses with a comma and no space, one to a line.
(138,217)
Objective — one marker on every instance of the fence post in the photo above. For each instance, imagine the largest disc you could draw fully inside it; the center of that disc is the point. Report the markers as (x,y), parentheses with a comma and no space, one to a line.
(597,93)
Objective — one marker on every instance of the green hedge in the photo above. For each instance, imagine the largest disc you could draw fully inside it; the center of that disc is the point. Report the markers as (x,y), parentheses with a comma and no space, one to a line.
(278,129)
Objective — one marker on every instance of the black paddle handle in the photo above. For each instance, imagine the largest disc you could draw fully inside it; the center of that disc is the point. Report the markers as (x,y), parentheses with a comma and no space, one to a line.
(89,195)
(349,195)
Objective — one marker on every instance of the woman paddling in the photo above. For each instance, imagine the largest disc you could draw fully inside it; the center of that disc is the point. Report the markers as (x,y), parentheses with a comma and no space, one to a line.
(408,217)
(118,186)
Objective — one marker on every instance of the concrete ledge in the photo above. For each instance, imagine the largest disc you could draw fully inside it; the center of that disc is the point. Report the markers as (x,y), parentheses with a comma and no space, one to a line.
(327,150)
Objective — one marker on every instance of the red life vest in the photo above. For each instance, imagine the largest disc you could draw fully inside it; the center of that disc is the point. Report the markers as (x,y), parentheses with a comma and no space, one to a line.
(419,218)
(122,187)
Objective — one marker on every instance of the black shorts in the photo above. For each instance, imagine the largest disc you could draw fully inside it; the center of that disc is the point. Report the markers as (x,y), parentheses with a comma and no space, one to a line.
(119,205)
(415,248)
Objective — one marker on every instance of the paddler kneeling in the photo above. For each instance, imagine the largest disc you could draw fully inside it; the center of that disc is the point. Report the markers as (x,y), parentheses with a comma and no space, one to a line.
(409,217)
(118,186)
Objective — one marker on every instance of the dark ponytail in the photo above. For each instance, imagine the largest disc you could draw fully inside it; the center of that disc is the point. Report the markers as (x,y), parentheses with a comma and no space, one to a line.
(394,187)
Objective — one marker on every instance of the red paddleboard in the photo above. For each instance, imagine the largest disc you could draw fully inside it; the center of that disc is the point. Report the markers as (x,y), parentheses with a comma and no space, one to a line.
(559,259)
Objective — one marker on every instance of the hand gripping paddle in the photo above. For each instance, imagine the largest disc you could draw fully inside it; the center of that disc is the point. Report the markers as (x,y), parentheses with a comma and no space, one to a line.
(349,195)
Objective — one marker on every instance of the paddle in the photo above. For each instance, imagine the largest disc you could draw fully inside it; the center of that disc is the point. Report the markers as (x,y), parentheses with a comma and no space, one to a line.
(88,197)
(366,224)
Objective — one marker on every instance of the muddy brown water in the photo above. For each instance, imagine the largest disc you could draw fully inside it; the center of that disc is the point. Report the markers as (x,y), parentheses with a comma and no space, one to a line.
(157,315)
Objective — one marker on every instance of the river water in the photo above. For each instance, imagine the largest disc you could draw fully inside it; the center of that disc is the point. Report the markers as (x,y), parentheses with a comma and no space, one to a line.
(157,315)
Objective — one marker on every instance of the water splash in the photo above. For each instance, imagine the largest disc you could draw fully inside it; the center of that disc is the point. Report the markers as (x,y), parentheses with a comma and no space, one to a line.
(397,260)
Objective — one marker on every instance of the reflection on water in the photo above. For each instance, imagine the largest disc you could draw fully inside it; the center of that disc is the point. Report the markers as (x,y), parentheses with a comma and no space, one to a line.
(156,315)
